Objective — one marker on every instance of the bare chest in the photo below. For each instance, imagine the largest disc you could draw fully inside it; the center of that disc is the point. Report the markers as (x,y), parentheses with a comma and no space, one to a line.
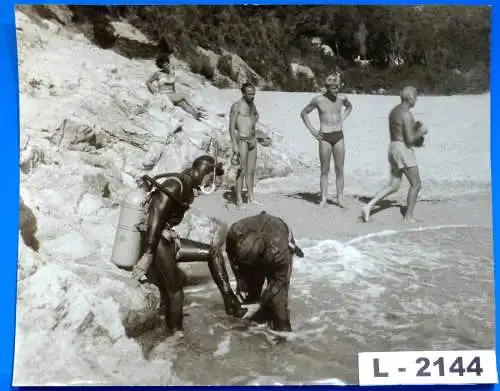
(247,110)
(328,107)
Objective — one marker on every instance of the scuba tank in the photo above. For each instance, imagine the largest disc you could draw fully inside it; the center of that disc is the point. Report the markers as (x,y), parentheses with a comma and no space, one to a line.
(127,245)
(134,214)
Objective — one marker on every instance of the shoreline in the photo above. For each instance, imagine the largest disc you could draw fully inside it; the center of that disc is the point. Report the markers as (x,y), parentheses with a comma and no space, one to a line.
(331,222)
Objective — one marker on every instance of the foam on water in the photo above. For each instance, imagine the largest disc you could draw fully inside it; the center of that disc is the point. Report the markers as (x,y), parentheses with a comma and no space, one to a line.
(424,288)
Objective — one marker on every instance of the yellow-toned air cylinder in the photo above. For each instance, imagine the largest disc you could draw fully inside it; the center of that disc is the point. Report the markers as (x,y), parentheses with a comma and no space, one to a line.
(127,246)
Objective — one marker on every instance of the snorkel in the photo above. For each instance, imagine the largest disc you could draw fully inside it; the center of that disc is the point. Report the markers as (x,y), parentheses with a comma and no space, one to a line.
(211,189)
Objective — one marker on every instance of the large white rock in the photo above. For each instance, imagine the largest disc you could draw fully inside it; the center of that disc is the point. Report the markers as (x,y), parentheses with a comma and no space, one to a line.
(89,129)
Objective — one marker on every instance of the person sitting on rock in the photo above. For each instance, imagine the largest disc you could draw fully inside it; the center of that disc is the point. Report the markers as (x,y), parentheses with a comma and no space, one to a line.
(262,247)
(163,249)
(163,82)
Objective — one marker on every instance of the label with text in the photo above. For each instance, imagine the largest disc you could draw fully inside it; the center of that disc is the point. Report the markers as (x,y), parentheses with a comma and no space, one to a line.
(428,367)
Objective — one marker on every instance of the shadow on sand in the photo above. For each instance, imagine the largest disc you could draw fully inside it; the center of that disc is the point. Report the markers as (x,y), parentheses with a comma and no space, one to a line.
(382,205)
(313,198)
(230,196)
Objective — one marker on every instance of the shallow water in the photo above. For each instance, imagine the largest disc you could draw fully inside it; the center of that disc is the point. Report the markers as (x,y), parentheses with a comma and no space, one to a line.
(421,289)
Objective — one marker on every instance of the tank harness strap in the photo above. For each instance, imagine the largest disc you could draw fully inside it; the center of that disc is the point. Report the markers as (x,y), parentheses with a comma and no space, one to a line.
(163,189)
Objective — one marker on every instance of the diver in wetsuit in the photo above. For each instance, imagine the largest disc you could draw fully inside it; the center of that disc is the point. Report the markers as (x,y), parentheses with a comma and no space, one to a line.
(260,248)
(162,248)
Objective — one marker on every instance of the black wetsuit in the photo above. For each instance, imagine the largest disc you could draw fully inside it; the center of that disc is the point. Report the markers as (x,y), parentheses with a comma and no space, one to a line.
(166,212)
(275,265)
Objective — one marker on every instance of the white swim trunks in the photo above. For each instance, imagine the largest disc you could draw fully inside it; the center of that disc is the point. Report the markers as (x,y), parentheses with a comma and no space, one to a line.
(400,156)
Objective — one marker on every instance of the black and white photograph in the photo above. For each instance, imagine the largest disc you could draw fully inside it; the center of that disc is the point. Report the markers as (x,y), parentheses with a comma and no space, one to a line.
(250,194)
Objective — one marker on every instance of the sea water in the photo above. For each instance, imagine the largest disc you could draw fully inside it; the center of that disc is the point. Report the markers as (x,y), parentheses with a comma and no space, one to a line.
(421,289)
(428,288)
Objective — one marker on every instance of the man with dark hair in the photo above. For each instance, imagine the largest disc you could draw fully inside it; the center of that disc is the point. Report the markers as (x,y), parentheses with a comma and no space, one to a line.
(404,133)
(163,249)
(242,121)
(260,248)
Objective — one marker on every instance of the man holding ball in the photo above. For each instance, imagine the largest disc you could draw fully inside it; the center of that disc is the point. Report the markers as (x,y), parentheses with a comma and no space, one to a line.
(405,133)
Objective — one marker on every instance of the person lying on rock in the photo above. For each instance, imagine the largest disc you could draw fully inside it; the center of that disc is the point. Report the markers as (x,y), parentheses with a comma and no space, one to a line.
(163,82)
(163,249)
(259,248)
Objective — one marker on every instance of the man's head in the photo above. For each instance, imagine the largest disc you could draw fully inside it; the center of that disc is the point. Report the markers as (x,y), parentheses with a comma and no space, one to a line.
(202,170)
(409,95)
(333,83)
(163,62)
(248,92)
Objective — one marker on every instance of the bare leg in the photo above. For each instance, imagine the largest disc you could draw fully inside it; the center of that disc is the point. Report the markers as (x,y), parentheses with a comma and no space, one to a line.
(250,174)
(339,158)
(393,186)
(414,178)
(187,108)
(240,176)
(182,100)
(198,109)
(325,154)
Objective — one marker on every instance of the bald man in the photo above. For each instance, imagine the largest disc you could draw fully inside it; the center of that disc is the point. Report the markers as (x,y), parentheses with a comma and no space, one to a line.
(404,134)
(330,135)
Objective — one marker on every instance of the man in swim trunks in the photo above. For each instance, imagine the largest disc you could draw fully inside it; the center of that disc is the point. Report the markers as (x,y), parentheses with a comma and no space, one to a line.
(330,136)
(242,121)
(404,133)
(259,248)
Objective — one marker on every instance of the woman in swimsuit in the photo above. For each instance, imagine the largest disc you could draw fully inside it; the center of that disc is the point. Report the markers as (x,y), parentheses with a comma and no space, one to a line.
(163,81)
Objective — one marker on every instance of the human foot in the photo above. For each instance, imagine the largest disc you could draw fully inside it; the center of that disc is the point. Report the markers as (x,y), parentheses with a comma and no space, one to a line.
(411,220)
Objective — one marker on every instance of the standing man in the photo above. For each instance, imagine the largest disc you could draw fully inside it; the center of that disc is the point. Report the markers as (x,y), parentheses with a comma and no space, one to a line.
(404,134)
(242,121)
(260,248)
(162,249)
(330,136)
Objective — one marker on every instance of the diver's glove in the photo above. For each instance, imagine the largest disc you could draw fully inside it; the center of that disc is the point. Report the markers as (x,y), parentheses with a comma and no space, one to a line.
(233,306)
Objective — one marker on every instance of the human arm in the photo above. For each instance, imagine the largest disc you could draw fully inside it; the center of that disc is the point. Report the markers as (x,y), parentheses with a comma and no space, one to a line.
(411,132)
(256,116)
(150,83)
(161,209)
(233,116)
(304,114)
(348,108)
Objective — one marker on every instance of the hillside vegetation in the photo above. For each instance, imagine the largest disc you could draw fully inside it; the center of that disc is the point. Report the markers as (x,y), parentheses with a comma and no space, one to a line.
(442,49)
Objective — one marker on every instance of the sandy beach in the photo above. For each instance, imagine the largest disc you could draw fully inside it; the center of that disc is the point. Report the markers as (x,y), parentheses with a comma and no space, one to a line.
(308,220)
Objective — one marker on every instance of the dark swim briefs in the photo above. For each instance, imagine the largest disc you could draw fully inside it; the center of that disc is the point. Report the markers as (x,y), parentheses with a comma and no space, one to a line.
(333,137)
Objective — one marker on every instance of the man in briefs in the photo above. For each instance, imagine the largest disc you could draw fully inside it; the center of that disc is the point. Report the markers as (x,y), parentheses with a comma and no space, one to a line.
(260,248)
(330,135)
(163,249)
(242,121)
(404,134)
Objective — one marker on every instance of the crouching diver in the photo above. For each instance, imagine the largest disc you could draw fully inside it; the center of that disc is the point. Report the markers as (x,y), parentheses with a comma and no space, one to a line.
(163,207)
(260,248)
